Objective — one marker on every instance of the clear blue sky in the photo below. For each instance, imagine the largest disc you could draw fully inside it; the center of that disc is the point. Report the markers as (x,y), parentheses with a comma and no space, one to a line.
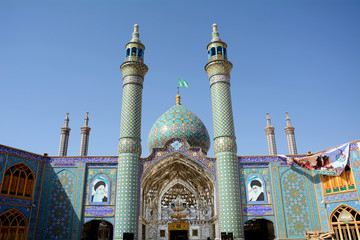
(297,56)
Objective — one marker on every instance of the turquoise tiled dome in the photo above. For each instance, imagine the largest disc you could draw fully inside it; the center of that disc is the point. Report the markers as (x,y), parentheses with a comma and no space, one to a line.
(179,121)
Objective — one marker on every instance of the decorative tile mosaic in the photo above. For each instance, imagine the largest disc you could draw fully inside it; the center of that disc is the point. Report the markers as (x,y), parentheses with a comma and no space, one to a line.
(341,197)
(258,210)
(133,68)
(218,67)
(355,165)
(179,121)
(35,206)
(72,160)
(127,195)
(181,146)
(60,212)
(222,110)
(279,216)
(297,210)
(22,154)
(2,165)
(129,145)
(99,211)
(15,201)
(45,191)
(229,193)
(130,126)
(225,144)
(321,204)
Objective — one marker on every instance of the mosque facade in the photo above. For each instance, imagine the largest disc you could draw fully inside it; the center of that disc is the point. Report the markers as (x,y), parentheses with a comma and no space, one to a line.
(177,192)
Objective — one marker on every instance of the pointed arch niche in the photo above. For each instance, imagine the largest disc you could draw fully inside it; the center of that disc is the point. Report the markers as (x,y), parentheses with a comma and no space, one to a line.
(177,189)
(345,221)
(13,225)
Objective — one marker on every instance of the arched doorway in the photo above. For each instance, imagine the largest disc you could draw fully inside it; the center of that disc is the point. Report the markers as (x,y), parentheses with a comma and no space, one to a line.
(259,229)
(12,225)
(97,230)
(345,222)
(177,200)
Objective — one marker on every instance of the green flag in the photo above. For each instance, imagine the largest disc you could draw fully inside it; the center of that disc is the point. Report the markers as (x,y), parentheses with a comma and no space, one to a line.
(183,83)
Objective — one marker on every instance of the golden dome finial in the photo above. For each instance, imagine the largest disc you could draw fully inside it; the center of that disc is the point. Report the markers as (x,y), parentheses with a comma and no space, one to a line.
(178,97)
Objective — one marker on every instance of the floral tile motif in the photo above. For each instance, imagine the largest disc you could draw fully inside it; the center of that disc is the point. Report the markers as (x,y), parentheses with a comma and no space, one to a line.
(296,204)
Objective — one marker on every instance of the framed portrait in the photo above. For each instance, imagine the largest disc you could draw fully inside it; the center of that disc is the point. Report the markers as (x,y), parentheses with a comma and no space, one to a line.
(255,189)
(99,190)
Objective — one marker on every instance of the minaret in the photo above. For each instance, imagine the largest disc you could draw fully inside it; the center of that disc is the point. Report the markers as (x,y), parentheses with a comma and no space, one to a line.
(218,69)
(129,149)
(290,136)
(85,133)
(64,137)
(270,136)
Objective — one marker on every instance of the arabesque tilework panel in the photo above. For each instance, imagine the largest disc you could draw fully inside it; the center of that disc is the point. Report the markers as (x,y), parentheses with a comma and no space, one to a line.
(296,204)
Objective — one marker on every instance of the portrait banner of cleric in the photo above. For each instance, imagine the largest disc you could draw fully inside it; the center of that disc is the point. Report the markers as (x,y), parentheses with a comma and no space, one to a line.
(255,189)
(100,191)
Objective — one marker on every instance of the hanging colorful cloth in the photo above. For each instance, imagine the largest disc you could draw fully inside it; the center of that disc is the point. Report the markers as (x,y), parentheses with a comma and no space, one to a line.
(331,162)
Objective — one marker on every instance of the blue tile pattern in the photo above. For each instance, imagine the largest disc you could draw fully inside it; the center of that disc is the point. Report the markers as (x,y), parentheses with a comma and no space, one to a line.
(127,194)
(179,121)
(297,210)
(229,193)
(60,213)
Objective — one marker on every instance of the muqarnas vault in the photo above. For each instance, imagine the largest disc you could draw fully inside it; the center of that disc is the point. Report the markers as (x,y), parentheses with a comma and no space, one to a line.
(177,192)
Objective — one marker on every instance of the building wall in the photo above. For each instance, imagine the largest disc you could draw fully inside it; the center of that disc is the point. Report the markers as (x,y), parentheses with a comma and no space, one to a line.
(329,202)
(29,207)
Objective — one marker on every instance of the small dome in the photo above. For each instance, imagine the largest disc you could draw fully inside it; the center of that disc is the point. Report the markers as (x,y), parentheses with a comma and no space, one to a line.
(179,121)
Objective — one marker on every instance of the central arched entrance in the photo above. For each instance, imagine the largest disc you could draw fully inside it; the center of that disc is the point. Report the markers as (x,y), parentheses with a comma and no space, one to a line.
(259,229)
(97,230)
(177,200)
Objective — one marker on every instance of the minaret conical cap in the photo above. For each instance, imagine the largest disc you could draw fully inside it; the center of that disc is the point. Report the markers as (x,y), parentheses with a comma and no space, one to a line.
(86,123)
(136,35)
(215,33)
(66,120)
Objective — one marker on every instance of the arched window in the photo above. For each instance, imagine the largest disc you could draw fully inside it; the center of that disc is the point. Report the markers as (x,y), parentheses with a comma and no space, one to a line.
(219,50)
(18,181)
(225,54)
(13,225)
(127,52)
(344,182)
(345,221)
(212,51)
(140,53)
(133,51)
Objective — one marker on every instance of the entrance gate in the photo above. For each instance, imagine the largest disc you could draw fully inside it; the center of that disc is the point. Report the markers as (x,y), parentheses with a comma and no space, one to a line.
(97,230)
(259,229)
(178,231)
